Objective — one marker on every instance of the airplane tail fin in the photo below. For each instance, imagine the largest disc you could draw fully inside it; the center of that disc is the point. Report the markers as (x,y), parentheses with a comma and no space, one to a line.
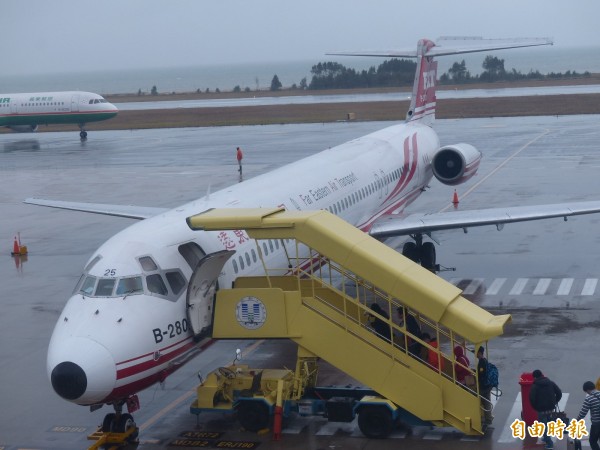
(423,100)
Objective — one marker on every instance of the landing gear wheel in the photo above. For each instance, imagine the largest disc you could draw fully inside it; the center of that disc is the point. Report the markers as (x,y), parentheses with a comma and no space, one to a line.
(253,415)
(83,135)
(410,251)
(125,423)
(375,422)
(227,372)
(428,256)
(108,424)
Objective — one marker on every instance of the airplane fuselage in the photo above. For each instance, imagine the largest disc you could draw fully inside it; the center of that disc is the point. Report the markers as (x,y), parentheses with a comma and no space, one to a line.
(24,112)
(111,341)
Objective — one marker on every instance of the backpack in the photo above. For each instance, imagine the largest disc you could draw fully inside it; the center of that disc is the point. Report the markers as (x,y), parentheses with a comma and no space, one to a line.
(491,375)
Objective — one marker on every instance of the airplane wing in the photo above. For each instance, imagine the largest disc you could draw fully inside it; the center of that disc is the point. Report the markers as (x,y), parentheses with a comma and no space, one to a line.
(397,225)
(129,211)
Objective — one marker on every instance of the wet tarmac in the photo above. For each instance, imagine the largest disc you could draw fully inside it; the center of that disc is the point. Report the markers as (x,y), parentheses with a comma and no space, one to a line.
(544,273)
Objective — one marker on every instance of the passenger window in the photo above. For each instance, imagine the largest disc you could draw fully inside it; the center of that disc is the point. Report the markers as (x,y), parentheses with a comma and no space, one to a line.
(87,287)
(105,287)
(241,262)
(176,281)
(271,245)
(131,285)
(253,255)
(247,259)
(156,284)
(235,266)
(265,248)
(277,245)
(148,264)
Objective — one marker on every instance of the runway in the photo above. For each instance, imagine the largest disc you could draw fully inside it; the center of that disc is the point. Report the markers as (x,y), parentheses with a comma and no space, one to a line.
(544,273)
(348,98)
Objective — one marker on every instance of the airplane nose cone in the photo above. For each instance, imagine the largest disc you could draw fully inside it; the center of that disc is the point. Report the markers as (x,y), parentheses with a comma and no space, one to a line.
(80,369)
(68,380)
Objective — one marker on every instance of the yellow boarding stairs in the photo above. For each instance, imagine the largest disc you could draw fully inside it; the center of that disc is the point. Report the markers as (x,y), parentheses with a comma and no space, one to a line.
(323,301)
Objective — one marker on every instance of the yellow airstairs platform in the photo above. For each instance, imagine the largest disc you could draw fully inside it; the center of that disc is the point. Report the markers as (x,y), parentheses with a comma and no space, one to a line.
(322,300)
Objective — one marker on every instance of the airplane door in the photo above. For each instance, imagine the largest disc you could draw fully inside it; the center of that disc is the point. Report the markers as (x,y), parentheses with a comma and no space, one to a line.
(75,103)
(201,290)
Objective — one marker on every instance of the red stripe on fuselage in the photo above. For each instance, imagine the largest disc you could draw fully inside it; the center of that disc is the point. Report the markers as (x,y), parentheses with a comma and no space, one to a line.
(128,389)
(150,364)
(407,174)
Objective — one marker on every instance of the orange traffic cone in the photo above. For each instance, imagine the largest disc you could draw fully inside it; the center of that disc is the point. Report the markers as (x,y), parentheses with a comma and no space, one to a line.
(455,198)
(16,250)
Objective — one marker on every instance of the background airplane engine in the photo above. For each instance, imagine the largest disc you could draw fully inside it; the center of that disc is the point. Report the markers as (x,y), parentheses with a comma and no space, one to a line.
(23,128)
(455,164)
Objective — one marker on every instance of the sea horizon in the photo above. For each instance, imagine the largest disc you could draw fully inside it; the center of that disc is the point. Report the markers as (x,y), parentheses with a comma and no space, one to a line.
(258,76)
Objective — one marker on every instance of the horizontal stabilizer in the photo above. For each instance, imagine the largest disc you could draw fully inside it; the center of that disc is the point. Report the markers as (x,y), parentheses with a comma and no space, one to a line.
(396,225)
(455,45)
(128,211)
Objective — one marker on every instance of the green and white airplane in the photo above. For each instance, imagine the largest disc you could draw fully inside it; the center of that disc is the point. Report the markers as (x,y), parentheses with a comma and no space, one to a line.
(24,112)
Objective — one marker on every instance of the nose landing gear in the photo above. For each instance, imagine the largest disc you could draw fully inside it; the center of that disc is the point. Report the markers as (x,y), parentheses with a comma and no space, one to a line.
(118,429)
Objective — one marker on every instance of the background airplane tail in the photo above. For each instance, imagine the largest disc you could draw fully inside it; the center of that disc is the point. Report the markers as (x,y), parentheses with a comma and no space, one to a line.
(423,101)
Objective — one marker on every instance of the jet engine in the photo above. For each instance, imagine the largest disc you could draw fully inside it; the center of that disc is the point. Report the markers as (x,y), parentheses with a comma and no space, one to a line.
(455,164)
(23,128)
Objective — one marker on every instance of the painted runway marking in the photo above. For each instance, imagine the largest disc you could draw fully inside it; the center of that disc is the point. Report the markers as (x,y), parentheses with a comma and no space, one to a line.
(590,286)
(542,286)
(565,286)
(519,286)
(496,286)
(473,286)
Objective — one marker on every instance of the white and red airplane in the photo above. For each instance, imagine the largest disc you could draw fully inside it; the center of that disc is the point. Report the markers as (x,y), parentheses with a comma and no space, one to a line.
(137,312)
(25,112)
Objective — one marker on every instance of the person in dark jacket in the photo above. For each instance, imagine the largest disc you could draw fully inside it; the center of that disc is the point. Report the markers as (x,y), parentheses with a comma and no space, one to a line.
(592,404)
(485,390)
(413,329)
(544,396)
(381,327)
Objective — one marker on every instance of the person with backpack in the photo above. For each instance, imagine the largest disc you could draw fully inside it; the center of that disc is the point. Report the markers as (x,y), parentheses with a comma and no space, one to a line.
(592,404)
(544,396)
(485,386)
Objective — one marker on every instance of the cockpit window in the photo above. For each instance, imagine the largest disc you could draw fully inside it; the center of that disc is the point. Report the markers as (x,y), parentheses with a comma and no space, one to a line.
(131,285)
(105,287)
(156,284)
(176,281)
(87,287)
(148,264)
(92,263)
(192,253)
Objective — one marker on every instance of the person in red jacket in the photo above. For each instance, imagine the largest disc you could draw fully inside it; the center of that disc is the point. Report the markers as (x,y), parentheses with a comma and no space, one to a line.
(239,156)
(461,366)
(434,358)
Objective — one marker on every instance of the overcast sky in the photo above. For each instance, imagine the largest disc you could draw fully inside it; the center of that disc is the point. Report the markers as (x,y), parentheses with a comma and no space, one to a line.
(42,36)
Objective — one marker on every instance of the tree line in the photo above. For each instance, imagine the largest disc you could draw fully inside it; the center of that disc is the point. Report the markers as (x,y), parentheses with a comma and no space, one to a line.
(400,72)
(493,70)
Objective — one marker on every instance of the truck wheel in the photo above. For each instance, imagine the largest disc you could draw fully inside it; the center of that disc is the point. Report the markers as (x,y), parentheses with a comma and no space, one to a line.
(375,421)
(253,415)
